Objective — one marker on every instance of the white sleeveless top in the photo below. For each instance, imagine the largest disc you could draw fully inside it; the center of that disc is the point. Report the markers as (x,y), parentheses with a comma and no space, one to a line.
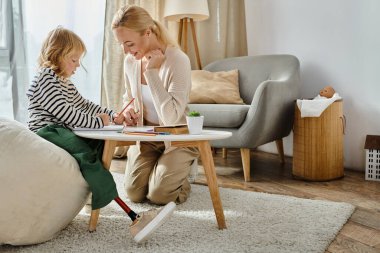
(150,113)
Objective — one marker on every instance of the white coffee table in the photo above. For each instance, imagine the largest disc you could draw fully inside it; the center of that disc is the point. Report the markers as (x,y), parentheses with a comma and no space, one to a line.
(201,141)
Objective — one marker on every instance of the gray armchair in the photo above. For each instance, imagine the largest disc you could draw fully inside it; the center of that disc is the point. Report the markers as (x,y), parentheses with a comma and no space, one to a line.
(269,85)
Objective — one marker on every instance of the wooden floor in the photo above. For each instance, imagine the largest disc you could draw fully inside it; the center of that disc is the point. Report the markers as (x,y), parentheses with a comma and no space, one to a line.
(360,234)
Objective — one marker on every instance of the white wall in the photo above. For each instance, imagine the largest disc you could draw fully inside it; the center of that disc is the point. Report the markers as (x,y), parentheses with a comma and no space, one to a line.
(338,44)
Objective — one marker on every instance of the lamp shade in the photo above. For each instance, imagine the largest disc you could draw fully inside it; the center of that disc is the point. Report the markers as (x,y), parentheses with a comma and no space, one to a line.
(177,9)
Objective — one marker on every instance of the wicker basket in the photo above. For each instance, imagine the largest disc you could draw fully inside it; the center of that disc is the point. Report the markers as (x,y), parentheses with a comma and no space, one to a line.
(318,144)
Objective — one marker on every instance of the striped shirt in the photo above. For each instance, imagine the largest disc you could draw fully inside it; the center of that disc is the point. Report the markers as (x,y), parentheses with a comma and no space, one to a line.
(54,100)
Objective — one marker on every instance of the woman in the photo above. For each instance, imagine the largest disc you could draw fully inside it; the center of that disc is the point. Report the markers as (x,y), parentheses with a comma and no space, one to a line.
(158,75)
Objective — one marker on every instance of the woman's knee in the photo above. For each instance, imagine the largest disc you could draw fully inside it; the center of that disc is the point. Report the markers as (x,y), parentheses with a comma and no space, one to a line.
(133,193)
(161,197)
(161,194)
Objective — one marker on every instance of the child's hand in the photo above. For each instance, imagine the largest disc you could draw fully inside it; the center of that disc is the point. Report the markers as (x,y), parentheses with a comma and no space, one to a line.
(118,119)
(131,117)
(105,118)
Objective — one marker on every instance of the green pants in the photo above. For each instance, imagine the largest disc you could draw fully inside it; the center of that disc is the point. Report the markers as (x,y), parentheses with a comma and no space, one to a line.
(88,153)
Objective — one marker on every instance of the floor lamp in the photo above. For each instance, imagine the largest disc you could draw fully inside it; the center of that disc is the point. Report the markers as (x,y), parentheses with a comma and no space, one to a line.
(186,12)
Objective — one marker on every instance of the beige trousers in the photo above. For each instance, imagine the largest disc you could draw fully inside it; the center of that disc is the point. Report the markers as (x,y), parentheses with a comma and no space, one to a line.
(151,174)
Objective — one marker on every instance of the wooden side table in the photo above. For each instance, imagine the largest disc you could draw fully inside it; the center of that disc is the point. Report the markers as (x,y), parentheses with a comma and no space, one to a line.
(318,144)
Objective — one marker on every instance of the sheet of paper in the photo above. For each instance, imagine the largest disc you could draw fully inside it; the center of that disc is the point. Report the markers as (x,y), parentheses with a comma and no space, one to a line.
(105,128)
(138,129)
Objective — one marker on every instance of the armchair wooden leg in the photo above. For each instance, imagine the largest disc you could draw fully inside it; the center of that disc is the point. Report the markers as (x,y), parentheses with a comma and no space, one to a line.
(280,149)
(246,161)
(224,153)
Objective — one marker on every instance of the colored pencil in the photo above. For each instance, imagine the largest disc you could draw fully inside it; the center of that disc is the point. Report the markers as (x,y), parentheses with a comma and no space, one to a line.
(130,102)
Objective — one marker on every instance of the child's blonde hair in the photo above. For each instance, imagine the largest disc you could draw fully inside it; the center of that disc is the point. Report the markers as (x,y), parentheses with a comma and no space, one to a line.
(59,44)
(138,19)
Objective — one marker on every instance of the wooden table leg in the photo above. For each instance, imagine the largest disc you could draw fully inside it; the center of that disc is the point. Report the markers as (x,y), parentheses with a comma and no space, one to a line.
(93,220)
(209,167)
(108,151)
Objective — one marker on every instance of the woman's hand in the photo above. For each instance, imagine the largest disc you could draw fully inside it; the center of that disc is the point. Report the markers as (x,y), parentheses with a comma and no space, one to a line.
(118,119)
(105,118)
(155,58)
(131,117)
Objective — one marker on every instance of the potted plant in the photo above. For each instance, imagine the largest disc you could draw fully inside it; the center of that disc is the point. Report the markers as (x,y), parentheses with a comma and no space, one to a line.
(194,122)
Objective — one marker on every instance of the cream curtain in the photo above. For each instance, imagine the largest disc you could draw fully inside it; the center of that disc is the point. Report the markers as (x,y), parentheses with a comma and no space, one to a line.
(222,35)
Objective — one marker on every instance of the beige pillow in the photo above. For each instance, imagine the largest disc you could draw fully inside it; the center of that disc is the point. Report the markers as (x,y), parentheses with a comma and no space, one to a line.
(215,87)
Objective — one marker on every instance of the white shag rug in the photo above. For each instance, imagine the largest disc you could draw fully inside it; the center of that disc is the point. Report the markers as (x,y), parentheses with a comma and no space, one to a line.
(256,222)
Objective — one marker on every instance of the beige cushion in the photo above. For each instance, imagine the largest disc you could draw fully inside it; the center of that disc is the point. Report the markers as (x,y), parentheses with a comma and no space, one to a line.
(41,189)
(215,87)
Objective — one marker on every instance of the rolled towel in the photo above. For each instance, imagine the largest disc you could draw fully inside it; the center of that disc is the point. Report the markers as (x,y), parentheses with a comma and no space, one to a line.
(315,107)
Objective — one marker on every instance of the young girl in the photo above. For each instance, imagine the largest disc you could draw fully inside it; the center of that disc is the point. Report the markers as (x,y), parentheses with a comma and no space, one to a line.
(56,107)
